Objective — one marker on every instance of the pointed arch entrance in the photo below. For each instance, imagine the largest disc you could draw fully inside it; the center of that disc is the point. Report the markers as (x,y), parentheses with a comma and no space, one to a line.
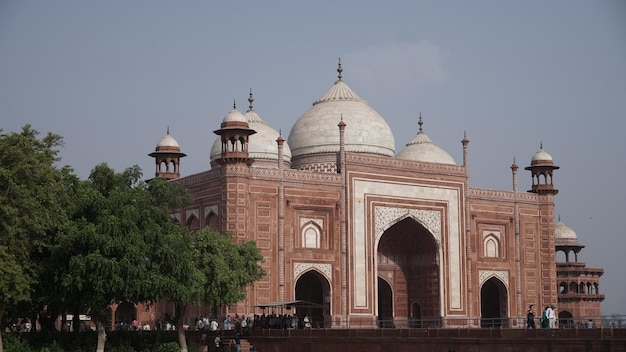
(408,260)
(566,319)
(125,313)
(314,287)
(493,304)
(385,304)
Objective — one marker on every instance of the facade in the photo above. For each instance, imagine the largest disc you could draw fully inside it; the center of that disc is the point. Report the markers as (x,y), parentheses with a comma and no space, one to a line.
(377,238)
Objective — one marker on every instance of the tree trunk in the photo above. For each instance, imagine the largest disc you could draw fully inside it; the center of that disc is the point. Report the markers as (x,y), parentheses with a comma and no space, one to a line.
(1,325)
(180,330)
(102,336)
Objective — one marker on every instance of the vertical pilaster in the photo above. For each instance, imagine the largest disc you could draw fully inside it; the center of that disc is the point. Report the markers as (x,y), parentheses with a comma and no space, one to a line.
(281,222)
(468,232)
(518,270)
(344,240)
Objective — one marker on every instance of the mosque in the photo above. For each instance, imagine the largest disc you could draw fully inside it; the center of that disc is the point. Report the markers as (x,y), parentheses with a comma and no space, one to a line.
(368,236)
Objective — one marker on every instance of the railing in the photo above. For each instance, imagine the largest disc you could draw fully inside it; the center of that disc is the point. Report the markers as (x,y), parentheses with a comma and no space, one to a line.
(579,322)
(471,333)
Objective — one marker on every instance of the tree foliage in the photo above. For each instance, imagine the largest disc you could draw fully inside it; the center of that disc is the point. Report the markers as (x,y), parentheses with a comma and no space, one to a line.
(32,199)
(77,246)
(213,269)
(107,254)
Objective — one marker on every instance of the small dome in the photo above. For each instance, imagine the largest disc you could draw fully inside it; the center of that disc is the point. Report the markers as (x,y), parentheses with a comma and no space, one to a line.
(541,157)
(316,130)
(562,231)
(423,149)
(564,235)
(261,145)
(167,141)
(234,116)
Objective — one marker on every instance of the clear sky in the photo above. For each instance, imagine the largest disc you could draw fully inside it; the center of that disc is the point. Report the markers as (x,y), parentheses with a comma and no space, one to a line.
(111,76)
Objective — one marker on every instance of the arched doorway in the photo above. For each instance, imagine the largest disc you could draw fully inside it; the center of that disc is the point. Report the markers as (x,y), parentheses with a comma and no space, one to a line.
(314,287)
(565,319)
(125,313)
(416,316)
(408,260)
(493,303)
(385,304)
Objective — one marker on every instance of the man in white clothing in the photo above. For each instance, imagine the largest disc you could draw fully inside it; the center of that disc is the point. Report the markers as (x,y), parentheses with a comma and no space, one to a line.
(551,314)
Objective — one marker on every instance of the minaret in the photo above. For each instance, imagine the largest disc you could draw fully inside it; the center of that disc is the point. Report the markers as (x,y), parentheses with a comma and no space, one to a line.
(167,156)
(235,133)
(579,286)
(542,169)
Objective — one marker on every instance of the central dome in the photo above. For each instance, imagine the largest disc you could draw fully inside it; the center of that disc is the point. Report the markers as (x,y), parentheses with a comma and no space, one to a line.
(316,131)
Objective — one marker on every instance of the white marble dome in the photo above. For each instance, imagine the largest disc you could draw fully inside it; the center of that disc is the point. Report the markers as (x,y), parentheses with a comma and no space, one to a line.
(261,145)
(167,141)
(234,116)
(423,149)
(564,232)
(565,236)
(541,156)
(316,130)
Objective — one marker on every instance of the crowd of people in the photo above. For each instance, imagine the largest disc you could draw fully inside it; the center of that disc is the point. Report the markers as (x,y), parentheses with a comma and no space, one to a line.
(242,324)
(548,319)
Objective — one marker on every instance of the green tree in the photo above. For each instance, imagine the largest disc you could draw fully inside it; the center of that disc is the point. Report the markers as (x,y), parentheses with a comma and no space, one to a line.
(213,269)
(32,198)
(105,256)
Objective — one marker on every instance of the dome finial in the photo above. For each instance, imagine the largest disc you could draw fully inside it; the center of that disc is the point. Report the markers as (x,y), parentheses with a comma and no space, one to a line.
(234,104)
(250,100)
(559,217)
(541,145)
(168,130)
(420,122)
(339,69)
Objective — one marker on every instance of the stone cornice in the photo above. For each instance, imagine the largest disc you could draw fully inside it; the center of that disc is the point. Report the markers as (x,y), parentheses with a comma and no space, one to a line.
(501,195)
(393,163)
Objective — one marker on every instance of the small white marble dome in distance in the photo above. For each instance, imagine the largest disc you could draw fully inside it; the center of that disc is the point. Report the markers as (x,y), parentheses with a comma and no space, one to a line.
(562,231)
(565,236)
(316,131)
(541,156)
(423,149)
(262,145)
(234,116)
(167,141)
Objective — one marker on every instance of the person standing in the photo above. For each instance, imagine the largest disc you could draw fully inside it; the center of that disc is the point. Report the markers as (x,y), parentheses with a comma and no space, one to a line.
(551,314)
(544,318)
(237,343)
(530,318)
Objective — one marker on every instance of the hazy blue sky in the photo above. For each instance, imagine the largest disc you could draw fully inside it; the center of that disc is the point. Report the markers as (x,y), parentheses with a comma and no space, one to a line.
(111,76)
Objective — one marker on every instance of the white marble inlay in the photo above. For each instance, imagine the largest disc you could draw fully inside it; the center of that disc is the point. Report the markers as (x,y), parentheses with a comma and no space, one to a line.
(388,216)
(484,275)
(362,250)
(324,269)
(192,212)
(319,222)
(209,209)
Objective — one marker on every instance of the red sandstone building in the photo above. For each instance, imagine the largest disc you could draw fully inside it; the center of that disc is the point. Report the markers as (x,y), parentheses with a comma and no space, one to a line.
(377,237)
